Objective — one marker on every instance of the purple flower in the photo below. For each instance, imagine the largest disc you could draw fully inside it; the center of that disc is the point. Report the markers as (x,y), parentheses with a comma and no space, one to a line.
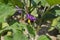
(31,17)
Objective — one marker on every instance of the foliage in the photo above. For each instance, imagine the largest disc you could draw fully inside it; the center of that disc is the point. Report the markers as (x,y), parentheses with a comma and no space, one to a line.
(4,12)
(14,20)
(43,37)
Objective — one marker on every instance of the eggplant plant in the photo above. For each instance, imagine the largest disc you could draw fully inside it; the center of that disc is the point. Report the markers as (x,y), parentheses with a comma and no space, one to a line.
(28,19)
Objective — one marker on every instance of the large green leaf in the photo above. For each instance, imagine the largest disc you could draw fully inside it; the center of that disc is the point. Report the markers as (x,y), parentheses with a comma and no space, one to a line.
(5,11)
(55,23)
(17,32)
(53,2)
(18,35)
(55,11)
(21,26)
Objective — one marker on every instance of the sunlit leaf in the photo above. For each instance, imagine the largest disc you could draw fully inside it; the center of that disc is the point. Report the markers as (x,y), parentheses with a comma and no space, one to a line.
(4,25)
(34,12)
(53,2)
(55,21)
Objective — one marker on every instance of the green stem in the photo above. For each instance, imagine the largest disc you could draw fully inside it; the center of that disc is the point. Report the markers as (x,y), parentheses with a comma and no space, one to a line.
(30,3)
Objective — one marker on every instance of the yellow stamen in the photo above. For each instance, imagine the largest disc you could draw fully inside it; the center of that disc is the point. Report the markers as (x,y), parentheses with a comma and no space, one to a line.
(28,20)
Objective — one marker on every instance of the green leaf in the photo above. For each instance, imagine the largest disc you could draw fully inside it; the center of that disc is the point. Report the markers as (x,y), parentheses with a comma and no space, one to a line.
(5,29)
(5,11)
(8,38)
(18,26)
(18,35)
(17,2)
(34,12)
(43,37)
(36,1)
(55,21)
(22,26)
(15,26)
(41,2)
(51,28)
(31,30)
(17,32)
(4,1)
(4,25)
(58,25)
(13,2)
(53,2)
(44,2)
(55,10)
